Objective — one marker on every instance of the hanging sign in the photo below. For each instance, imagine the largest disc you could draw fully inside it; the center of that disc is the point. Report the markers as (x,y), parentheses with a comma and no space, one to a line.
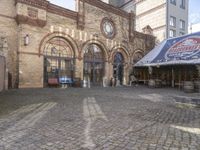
(188,48)
(181,48)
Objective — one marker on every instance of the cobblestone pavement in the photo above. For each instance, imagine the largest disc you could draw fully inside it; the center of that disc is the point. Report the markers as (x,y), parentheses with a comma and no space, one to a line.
(124,118)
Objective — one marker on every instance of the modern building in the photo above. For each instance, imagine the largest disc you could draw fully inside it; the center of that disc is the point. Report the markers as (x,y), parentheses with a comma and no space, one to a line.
(167,18)
(194,28)
(44,44)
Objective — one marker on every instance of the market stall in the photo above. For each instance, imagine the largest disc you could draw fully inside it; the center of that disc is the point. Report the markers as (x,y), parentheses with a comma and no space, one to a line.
(175,62)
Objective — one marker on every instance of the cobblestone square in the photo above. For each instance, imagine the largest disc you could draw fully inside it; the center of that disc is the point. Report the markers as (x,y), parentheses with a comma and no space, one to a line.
(123,118)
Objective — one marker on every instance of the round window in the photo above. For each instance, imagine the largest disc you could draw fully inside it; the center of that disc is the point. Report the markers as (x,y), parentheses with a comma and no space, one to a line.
(108,28)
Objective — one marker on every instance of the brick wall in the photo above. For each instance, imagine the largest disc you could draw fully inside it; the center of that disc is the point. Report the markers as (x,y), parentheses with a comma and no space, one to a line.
(9,30)
(26,62)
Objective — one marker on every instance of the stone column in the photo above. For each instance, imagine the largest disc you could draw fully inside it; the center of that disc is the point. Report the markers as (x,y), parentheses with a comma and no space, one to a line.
(110,72)
(3,52)
(126,74)
(106,77)
(78,68)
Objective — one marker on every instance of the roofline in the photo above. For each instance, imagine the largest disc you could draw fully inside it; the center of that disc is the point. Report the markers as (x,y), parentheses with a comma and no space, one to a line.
(52,8)
(125,3)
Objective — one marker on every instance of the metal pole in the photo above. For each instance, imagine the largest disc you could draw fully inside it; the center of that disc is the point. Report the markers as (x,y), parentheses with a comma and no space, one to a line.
(172,77)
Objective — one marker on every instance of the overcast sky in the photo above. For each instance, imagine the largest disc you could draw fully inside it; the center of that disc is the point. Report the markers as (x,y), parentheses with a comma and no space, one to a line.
(194,8)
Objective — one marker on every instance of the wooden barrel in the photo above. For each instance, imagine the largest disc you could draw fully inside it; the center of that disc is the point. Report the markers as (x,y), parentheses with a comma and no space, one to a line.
(197,86)
(188,86)
(152,83)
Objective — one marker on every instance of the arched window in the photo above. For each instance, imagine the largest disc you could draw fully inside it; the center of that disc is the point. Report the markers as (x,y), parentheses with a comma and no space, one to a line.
(58,62)
(118,67)
(118,59)
(58,47)
(94,64)
(93,53)
(137,56)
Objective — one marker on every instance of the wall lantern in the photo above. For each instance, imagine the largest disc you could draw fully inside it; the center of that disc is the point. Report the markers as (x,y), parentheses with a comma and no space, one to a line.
(26,40)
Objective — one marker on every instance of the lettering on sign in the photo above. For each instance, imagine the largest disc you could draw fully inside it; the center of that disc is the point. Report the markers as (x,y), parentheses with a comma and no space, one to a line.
(185,49)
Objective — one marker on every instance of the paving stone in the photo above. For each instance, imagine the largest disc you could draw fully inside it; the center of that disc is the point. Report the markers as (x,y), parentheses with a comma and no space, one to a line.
(124,118)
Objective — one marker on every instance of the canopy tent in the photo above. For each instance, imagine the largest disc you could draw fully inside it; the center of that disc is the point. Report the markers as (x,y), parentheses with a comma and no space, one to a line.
(184,50)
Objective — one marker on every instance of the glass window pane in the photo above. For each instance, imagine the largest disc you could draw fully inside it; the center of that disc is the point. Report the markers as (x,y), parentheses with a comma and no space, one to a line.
(182,24)
(173,2)
(182,4)
(172,33)
(172,21)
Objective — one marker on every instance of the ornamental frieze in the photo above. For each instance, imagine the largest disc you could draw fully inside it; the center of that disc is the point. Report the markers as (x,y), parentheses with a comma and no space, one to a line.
(21,19)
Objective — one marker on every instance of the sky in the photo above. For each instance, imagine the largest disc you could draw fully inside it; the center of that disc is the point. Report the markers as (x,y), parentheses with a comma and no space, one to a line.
(70,4)
(194,11)
(194,8)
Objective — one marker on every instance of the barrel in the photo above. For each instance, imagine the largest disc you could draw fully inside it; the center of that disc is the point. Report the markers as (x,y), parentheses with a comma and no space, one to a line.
(197,86)
(152,83)
(188,86)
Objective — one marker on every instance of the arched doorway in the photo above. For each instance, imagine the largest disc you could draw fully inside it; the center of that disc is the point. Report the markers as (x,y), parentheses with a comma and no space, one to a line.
(58,61)
(137,56)
(118,67)
(94,64)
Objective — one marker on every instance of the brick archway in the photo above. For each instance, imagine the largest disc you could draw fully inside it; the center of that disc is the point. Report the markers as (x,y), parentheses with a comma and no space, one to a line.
(59,53)
(123,51)
(95,58)
(50,36)
(120,74)
(137,55)
(98,43)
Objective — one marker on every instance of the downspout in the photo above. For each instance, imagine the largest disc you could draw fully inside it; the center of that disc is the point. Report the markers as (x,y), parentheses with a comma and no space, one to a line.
(173,85)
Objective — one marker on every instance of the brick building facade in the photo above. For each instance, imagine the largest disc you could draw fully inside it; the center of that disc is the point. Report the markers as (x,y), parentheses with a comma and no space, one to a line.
(45,41)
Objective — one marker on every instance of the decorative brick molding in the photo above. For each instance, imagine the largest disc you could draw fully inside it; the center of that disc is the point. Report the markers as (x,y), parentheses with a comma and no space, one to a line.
(97,42)
(32,13)
(42,4)
(21,19)
(62,11)
(81,15)
(137,55)
(63,35)
(131,24)
(106,7)
(123,50)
